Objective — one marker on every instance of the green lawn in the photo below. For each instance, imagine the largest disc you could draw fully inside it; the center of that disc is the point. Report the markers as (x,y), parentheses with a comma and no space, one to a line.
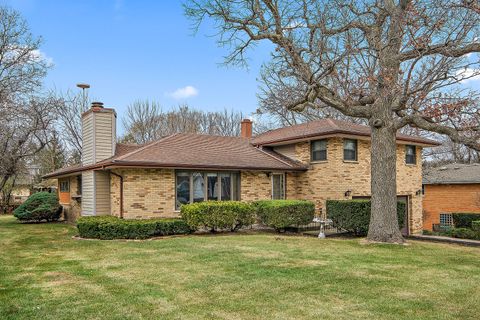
(45,274)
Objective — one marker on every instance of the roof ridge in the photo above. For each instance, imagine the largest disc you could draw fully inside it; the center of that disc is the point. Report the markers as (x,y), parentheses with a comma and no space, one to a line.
(145,147)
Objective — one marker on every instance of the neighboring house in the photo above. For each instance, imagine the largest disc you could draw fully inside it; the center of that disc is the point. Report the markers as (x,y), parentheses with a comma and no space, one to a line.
(449,189)
(319,160)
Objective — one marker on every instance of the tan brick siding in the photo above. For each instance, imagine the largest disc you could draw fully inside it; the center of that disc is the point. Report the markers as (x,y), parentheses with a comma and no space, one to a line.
(332,178)
(148,193)
(449,198)
(255,186)
(151,192)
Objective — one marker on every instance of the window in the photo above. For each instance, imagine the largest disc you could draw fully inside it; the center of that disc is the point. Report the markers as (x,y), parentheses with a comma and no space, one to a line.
(64,186)
(278,186)
(319,150)
(446,219)
(79,185)
(350,150)
(201,186)
(410,155)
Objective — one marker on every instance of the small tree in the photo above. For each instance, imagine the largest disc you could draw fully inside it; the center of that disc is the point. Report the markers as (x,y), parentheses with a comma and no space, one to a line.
(391,63)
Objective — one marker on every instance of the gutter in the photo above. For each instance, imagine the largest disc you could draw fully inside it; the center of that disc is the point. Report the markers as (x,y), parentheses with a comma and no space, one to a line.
(121,191)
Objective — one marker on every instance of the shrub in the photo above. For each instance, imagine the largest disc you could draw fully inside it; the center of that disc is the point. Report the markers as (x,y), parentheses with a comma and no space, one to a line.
(218,215)
(281,214)
(464,220)
(465,233)
(354,215)
(476,225)
(39,206)
(109,227)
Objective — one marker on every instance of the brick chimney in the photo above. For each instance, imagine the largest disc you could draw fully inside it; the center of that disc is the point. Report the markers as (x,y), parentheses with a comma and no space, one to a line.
(246,128)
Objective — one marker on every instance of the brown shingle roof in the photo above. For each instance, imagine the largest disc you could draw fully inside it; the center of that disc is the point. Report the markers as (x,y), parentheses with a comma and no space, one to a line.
(120,150)
(207,151)
(454,173)
(325,127)
(193,151)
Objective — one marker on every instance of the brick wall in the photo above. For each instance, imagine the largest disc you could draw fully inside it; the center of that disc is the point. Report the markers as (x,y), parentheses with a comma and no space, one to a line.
(449,198)
(332,178)
(151,192)
(148,193)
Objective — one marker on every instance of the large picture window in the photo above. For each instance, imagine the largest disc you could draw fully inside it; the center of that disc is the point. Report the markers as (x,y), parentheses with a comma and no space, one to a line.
(350,150)
(319,150)
(196,186)
(278,186)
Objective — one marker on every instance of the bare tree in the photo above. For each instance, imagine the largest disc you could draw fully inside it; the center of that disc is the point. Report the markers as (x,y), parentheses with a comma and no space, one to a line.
(22,66)
(69,108)
(392,62)
(24,127)
(145,121)
(24,114)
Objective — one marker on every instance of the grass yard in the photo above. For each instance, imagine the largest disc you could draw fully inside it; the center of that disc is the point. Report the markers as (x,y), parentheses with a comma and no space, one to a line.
(45,274)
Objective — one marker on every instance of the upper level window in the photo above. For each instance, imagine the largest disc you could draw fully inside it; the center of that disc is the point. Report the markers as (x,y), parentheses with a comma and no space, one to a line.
(410,154)
(64,186)
(319,150)
(350,150)
(194,186)
(278,186)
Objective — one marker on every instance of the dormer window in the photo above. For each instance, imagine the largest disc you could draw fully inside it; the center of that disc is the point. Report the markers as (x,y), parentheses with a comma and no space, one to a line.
(319,150)
(350,150)
(410,154)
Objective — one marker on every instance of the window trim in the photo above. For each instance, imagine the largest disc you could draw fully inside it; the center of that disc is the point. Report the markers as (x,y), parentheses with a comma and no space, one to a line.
(234,185)
(61,182)
(284,184)
(356,150)
(414,154)
(311,150)
(448,217)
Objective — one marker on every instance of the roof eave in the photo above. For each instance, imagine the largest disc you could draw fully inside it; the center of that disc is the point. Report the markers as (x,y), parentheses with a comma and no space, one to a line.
(423,142)
(149,164)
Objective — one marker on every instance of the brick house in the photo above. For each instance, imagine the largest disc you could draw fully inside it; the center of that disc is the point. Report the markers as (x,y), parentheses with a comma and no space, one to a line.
(453,188)
(317,161)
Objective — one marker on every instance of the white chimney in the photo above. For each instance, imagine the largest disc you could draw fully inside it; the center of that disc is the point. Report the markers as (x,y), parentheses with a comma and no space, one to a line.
(99,140)
(98,133)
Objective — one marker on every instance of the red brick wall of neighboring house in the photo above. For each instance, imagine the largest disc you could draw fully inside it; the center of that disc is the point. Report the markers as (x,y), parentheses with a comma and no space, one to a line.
(449,198)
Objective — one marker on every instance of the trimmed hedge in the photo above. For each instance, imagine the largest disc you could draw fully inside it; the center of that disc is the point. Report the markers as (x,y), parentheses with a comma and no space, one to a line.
(109,227)
(465,233)
(464,220)
(218,215)
(354,215)
(281,214)
(476,225)
(38,207)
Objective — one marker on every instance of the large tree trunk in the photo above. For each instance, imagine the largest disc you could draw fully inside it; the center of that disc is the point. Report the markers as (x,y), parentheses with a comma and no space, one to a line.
(384,223)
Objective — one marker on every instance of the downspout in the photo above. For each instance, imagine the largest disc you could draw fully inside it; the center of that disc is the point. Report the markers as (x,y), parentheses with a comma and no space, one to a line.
(121,192)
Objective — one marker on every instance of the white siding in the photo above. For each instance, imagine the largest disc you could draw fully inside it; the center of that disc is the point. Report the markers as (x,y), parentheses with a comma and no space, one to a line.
(88,139)
(104,135)
(88,198)
(102,193)
(286,150)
